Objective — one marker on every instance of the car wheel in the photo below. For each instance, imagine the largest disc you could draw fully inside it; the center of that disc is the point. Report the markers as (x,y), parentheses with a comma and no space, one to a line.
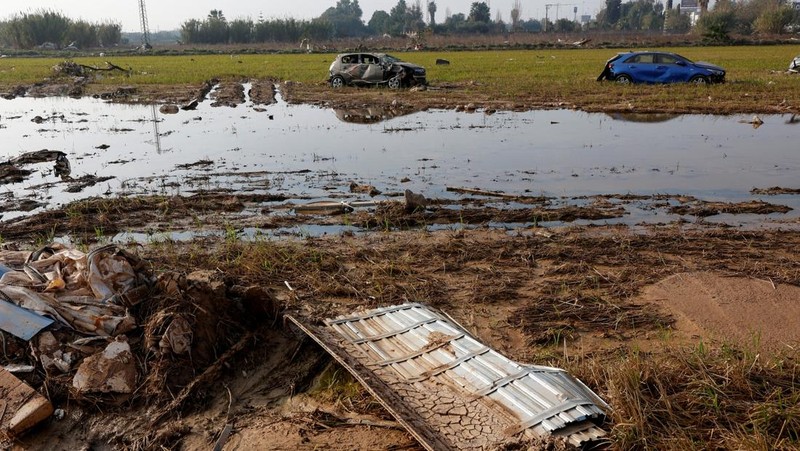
(395,82)
(624,79)
(337,82)
(699,80)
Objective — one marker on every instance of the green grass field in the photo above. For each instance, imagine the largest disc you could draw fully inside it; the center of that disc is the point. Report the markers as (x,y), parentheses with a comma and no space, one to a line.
(756,79)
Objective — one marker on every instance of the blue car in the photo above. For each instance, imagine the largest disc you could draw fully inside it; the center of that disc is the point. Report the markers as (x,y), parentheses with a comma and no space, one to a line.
(659,67)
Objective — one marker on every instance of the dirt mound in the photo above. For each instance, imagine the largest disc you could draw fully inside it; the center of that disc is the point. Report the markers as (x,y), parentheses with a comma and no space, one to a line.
(751,313)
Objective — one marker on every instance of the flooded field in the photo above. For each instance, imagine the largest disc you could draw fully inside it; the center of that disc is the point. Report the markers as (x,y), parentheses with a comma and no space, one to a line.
(650,166)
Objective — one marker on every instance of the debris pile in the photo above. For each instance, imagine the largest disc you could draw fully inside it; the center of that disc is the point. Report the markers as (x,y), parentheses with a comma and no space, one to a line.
(12,172)
(73,69)
(98,329)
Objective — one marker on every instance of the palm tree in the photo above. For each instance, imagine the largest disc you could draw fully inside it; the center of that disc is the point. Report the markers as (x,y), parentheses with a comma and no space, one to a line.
(216,14)
(432,12)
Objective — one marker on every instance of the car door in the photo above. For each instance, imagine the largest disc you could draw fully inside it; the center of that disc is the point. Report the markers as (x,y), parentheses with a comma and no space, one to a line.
(352,67)
(373,72)
(647,68)
(640,67)
(669,70)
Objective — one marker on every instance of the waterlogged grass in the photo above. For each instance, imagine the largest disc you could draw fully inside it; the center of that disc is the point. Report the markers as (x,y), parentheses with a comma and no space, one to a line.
(701,398)
(757,79)
(176,70)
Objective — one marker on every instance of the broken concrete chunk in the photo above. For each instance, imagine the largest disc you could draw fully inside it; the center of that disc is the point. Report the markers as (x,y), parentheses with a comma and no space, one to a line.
(111,371)
(49,353)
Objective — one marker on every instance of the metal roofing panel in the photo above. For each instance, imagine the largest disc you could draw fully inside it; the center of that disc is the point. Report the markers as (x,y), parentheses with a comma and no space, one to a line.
(444,383)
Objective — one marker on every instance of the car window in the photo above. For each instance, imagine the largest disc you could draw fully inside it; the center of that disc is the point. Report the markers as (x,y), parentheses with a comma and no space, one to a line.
(369,59)
(643,58)
(349,59)
(667,59)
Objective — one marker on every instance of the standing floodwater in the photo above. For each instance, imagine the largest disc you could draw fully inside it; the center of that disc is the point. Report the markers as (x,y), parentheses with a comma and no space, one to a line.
(310,153)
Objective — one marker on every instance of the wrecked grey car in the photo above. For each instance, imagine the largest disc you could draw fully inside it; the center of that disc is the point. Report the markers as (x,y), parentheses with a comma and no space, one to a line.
(794,66)
(364,69)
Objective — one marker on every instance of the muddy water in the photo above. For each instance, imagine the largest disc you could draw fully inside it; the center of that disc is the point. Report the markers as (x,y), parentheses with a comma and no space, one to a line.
(310,153)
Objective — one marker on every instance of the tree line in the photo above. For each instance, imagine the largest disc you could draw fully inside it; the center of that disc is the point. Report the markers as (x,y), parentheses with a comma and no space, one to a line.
(53,29)
(345,20)
(726,18)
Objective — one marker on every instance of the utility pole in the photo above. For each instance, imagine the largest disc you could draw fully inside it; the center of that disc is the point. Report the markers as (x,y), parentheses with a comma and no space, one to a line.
(145,28)
(547,10)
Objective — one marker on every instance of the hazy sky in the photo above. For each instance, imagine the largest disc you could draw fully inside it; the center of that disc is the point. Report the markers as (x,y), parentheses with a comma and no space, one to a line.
(169,14)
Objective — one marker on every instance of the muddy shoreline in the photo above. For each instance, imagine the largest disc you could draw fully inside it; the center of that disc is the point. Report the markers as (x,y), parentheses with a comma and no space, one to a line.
(464,96)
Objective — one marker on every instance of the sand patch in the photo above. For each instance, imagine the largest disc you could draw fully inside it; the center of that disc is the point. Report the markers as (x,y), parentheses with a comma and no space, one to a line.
(744,311)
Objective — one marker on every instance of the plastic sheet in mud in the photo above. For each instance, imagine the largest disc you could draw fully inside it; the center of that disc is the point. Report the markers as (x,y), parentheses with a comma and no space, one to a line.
(90,292)
(449,390)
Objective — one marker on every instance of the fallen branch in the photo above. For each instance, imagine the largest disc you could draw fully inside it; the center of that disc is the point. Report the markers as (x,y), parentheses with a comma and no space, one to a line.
(79,70)
(109,67)
(207,375)
(481,192)
(223,437)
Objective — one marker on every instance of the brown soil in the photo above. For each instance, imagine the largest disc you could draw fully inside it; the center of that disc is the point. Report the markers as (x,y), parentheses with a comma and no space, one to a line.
(744,312)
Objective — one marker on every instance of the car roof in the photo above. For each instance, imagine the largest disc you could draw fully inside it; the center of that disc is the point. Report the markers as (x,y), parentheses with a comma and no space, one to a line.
(639,52)
(360,53)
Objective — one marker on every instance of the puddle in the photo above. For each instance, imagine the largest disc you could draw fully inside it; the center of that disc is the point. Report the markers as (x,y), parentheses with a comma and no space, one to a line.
(309,153)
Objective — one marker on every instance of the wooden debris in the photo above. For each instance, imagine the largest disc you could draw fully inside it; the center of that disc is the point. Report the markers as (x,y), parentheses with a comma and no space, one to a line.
(21,407)
(481,192)
(209,374)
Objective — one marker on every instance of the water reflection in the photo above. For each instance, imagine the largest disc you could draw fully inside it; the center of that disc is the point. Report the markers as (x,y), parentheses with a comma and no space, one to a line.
(643,117)
(370,115)
(156,133)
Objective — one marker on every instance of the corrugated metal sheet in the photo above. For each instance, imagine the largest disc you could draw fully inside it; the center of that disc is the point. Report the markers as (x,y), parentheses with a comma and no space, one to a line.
(469,395)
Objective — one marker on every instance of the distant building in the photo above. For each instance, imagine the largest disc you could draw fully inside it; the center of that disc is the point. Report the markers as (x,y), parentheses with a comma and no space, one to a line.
(586,18)
(690,8)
